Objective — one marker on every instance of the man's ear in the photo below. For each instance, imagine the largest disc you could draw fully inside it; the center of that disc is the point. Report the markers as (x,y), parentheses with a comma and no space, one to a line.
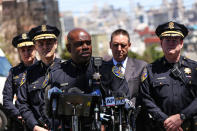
(68,47)
(129,44)
(181,43)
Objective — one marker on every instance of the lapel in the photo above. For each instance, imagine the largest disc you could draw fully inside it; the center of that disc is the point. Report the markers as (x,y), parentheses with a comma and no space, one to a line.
(129,68)
(111,63)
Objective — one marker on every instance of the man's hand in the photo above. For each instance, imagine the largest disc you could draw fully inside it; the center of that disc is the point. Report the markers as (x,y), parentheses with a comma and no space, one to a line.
(173,123)
(20,118)
(38,128)
(180,129)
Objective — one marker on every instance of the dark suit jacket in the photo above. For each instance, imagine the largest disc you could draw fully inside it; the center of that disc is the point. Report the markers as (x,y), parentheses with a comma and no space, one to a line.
(133,74)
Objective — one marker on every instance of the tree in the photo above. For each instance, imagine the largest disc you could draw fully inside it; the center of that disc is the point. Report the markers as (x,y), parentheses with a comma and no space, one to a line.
(151,54)
(65,54)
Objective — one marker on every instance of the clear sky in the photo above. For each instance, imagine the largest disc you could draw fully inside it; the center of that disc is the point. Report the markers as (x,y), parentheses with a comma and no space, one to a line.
(78,6)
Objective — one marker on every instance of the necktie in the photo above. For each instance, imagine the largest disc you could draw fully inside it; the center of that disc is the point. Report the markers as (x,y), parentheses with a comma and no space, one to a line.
(119,65)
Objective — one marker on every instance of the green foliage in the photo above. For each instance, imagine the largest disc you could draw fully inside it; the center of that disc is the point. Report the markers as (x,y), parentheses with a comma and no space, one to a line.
(151,54)
(134,55)
(65,54)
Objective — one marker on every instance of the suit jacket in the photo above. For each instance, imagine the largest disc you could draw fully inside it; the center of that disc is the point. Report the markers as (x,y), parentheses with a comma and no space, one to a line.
(133,74)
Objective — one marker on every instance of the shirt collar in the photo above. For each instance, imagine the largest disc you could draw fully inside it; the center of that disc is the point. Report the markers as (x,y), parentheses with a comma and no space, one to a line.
(124,62)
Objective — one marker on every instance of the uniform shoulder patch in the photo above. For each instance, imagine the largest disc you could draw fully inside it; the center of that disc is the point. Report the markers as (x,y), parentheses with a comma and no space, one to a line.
(117,72)
(144,74)
(23,79)
(45,83)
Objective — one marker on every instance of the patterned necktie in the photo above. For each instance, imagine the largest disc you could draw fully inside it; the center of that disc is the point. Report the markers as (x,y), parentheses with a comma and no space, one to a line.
(119,65)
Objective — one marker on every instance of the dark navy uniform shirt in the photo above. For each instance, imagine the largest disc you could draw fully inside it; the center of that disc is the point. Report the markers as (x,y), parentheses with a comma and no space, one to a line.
(13,82)
(31,94)
(71,75)
(165,94)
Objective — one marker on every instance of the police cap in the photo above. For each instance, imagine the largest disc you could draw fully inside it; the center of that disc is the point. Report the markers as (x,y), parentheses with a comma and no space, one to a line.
(171,29)
(22,40)
(44,32)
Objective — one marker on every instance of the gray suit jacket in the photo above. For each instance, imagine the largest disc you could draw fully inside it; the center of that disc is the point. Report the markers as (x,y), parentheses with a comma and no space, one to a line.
(133,74)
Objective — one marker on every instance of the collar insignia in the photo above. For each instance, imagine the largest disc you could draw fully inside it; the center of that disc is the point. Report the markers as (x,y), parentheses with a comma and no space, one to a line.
(16,77)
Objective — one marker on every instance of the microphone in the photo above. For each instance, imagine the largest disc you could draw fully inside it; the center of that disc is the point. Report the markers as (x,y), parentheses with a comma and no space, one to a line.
(53,90)
(129,104)
(96,92)
(52,94)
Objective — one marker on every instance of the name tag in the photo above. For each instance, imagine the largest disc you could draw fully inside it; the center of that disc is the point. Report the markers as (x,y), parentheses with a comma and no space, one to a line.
(120,101)
(64,84)
(110,101)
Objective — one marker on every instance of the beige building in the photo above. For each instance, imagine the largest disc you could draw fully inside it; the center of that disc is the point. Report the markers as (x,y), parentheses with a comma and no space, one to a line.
(100,45)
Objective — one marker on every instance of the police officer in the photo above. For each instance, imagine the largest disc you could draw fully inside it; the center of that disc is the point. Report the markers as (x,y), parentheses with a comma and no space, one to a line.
(168,90)
(78,71)
(26,50)
(31,94)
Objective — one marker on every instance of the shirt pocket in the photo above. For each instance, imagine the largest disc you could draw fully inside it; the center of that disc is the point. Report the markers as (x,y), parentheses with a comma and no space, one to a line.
(35,94)
(161,88)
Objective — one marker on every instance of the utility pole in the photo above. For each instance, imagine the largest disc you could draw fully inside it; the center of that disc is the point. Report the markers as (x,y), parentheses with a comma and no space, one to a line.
(44,11)
(17,18)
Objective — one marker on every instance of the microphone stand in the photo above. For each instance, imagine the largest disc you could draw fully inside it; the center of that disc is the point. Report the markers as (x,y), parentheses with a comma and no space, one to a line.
(120,118)
(96,84)
(74,119)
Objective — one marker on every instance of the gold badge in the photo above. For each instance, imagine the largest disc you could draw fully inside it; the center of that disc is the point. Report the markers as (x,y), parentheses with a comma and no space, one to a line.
(24,36)
(16,77)
(171,25)
(44,28)
(187,70)
(88,103)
